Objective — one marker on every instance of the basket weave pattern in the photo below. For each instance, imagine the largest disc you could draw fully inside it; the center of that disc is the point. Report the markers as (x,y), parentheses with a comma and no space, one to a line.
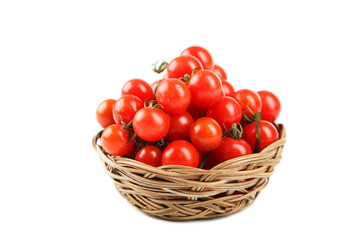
(185,193)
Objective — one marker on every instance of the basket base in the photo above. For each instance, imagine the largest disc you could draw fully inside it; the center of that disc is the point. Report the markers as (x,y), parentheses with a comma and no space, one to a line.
(182,209)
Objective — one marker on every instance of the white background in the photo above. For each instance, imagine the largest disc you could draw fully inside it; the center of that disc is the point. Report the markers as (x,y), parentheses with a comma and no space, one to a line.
(60,59)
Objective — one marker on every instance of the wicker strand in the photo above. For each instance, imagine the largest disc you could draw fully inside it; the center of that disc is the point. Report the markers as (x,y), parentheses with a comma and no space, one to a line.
(184,193)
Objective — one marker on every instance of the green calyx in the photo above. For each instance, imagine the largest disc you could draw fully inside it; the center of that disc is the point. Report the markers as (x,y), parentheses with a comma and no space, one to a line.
(152,104)
(187,77)
(128,127)
(234,131)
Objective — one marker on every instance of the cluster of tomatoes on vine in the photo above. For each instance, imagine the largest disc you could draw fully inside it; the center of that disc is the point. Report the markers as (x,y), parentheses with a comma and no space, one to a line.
(192,116)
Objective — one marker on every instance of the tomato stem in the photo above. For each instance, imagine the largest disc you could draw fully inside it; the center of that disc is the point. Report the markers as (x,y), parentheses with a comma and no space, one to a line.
(234,131)
(247,118)
(160,143)
(193,71)
(161,67)
(202,163)
(257,130)
(187,77)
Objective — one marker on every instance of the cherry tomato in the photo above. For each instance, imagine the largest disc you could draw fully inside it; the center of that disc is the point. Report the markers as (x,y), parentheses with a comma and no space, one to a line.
(150,155)
(205,87)
(205,134)
(182,65)
(104,114)
(220,71)
(268,134)
(271,106)
(179,126)
(151,124)
(228,89)
(180,152)
(225,111)
(196,112)
(201,54)
(114,140)
(173,95)
(126,107)
(249,98)
(139,88)
(230,148)
(132,152)
(155,84)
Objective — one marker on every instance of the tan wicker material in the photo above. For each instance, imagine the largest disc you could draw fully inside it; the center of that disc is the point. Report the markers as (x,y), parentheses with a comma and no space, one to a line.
(185,193)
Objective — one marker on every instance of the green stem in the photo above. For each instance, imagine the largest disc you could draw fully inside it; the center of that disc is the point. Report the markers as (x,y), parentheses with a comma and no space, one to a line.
(161,67)
(201,165)
(257,130)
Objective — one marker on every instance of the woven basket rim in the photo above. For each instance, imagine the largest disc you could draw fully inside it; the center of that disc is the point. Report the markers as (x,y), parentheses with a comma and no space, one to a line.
(179,170)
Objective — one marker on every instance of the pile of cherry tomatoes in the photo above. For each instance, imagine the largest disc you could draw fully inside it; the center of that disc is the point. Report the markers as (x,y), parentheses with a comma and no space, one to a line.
(192,116)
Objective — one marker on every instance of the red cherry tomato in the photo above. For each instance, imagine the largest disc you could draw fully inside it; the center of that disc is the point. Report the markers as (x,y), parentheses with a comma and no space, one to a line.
(150,155)
(228,89)
(151,124)
(104,114)
(182,65)
(179,126)
(270,106)
(205,134)
(201,54)
(114,140)
(126,107)
(220,71)
(230,148)
(196,112)
(205,87)
(173,95)
(139,88)
(268,134)
(225,111)
(155,84)
(132,152)
(180,152)
(249,98)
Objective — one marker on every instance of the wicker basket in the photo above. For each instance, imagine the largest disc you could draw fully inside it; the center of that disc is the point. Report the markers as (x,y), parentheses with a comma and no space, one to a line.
(185,193)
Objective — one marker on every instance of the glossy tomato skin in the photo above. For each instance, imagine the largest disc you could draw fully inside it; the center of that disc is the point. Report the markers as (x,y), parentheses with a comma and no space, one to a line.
(230,148)
(180,152)
(249,98)
(173,95)
(221,72)
(201,54)
(139,88)
(205,134)
(104,114)
(182,65)
(228,89)
(126,107)
(150,155)
(225,111)
(179,126)
(151,124)
(196,112)
(268,134)
(271,106)
(114,140)
(206,88)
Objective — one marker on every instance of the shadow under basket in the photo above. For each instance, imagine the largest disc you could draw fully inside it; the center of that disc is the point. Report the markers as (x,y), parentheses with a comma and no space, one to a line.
(184,193)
